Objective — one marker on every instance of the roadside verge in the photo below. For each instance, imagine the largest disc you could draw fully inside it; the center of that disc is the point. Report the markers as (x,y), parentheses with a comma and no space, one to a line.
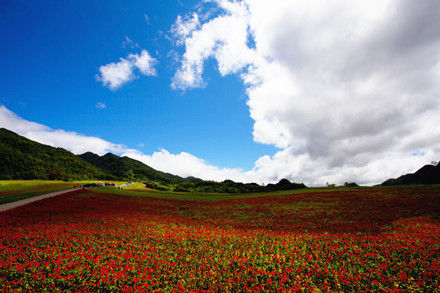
(18,203)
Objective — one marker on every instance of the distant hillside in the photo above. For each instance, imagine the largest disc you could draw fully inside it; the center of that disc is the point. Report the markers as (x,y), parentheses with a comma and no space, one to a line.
(428,174)
(124,167)
(229,186)
(22,158)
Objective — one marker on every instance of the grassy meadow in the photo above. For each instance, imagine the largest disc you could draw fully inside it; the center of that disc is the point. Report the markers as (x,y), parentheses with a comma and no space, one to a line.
(26,185)
(13,190)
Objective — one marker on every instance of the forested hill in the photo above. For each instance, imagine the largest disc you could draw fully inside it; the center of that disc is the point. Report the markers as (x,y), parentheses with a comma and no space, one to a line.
(428,174)
(22,158)
(124,167)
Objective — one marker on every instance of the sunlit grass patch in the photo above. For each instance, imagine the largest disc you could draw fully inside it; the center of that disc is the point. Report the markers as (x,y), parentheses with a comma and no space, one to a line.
(20,185)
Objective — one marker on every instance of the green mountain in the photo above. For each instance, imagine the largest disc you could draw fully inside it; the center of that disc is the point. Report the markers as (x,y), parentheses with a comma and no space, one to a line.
(127,168)
(21,158)
(130,169)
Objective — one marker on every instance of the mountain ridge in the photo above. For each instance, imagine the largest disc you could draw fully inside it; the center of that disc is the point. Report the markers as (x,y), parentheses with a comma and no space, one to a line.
(22,158)
(428,174)
(122,166)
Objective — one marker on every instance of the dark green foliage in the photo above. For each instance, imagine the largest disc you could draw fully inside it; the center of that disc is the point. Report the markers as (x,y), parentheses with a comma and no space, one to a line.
(229,186)
(156,186)
(180,189)
(21,158)
(351,184)
(129,175)
(129,169)
(284,184)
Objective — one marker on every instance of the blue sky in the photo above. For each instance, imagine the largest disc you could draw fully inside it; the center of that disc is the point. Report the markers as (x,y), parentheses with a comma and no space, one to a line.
(52,53)
(249,90)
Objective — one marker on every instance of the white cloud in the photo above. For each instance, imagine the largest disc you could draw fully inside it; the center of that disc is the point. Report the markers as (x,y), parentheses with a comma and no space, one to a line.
(284,164)
(223,37)
(183,28)
(349,90)
(114,75)
(144,62)
(72,141)
(185,164)
(100,105)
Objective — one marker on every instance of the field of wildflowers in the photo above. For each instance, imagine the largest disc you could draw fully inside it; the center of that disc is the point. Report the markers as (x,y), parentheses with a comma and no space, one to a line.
(366,240)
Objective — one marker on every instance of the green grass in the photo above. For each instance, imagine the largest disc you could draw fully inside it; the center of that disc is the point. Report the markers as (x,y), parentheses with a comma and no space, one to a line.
(23,185)
(13,190)
(223,196)
(136,185)
(23,195)
(98,181)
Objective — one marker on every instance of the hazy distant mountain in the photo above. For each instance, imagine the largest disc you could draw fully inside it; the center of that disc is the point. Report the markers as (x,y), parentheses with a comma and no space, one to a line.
(428,174)
(22,158)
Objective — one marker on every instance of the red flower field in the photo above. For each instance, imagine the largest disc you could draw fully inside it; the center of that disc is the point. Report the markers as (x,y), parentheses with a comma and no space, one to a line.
(363,240)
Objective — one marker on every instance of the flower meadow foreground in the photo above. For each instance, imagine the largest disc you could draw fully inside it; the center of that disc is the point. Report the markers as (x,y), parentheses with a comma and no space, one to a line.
(364,240)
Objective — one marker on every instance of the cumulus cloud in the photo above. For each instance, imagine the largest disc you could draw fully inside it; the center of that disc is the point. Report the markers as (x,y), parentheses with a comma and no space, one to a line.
(183,27)
(114,75)
(185,164)
(284,164)
(223,37)
(348,90)
(144,62)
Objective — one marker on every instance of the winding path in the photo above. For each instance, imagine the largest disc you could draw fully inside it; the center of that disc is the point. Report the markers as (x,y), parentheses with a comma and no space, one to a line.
(18,203)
